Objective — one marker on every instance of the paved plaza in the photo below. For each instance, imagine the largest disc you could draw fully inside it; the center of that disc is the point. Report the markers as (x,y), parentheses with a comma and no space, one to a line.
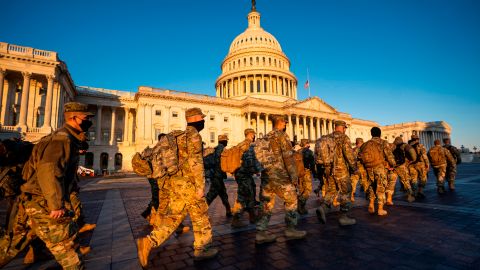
(439,232)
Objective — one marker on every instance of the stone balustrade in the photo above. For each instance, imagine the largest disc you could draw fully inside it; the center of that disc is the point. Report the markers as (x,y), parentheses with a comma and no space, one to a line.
(27,51)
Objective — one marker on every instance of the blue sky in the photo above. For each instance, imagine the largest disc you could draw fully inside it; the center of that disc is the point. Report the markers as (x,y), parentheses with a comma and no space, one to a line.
(388,61)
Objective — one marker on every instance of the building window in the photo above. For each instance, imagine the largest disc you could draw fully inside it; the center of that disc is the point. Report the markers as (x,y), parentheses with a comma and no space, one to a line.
(89,160)
(158,112)
(104,162)
(265,86)
(244,87)
(105,137)
(119,135)
(212,117)
(42,91)
(91,135)
(251,86)
(40,117)
(120,117)
(225,119)
(212,137)
(118,161)
(18,89)
(174,114)
(258,86)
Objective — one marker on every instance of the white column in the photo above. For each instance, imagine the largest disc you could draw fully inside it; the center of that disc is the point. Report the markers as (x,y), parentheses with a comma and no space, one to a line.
(48,104)
(318,129)
(333,124)
(98,132)
(22,123)
(262,86)
(311,137)
(258,122)
(2,105)
(297,128)
(112,128)
(266,123)
(249,120)
(277,89)
(304,120)
(126,119)
(290,127)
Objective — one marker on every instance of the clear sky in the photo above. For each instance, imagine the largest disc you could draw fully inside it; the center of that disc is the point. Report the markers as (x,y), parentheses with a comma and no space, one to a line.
(388,61)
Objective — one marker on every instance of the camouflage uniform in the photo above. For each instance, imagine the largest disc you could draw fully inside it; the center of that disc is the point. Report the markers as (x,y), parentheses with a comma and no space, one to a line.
(278,181)
(361,176)
(452,169)
(440,169)
(338,176)
(409,184)
(419,168)
(182,199)
(245,200)
(377,176)
(305,182)
(217,184)
(50,175)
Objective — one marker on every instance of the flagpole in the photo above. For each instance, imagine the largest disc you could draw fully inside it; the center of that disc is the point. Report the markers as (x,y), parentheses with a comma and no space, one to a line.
(308,79)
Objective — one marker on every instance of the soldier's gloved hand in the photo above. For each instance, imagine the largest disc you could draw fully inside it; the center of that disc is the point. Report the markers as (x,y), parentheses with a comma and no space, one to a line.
(57,213)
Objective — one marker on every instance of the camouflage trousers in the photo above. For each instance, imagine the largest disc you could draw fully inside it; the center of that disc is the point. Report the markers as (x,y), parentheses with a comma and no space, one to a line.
(285,191)
(362,178)
(338,184)
(182,200)
(440,172)
(418,172)
(217,188)
(451,173)
(304,188)
(409,185)
(245,200)
(377,178)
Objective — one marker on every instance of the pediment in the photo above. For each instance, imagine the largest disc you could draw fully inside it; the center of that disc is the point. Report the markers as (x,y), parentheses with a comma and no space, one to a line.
(315,103)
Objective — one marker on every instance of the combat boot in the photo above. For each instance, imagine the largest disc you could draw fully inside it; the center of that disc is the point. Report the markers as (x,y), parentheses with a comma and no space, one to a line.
(441,190)
(451,185)
(144,245)
(264,237)
(344,220)
(237,223)
(29,257)
(292,233)
(371,206)
(322,213)
(203,254)
(87,227)
(410,198)
(390,198)
(381,211)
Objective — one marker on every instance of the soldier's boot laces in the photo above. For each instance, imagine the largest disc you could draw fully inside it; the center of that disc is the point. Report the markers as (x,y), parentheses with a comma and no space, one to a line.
(371,206)
(451,185)
(322,213)
(381,211)
(345,220)
(390,198)
(292,233)
(29,257)
(203,254)
(264,237)
(237,222)
(410,198)
(143,248)
(441,190)
(87,227)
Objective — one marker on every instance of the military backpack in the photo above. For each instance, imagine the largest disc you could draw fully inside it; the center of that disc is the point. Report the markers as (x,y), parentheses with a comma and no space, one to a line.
(437,156)
(371,154)
(298,158)
(325,150)
(231,159)
(264,153)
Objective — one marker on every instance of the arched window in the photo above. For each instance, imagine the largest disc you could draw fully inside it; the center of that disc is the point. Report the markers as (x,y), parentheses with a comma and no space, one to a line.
(104,162)
(244,87)
(118,161)
(258,62)
(263,61)
(244,62)
(89,160)
(251,86)
(269,61)
(251,61)
(258,86)
(265,86)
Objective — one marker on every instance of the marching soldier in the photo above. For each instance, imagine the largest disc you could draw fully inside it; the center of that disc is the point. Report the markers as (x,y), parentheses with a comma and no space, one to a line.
(362,175)
(440,158)
(305,182)
(452,170)
(419,167)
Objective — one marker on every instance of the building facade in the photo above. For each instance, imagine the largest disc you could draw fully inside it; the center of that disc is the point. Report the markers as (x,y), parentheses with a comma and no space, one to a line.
(255,84)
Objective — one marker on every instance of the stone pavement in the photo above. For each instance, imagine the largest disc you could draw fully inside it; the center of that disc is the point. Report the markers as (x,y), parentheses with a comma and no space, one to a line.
(439,232)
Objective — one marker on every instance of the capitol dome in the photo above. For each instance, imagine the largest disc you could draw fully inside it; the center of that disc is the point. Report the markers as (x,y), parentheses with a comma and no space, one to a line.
(256,66)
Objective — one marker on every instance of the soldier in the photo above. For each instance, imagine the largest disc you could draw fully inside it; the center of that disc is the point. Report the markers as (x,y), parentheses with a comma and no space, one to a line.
(452,170)
(362,175)
(374,154)
(185,195)
(279,180)
(305,182)
(419,167)
(217,184)
(50,174)
(392,178)
(440,158)
(403,154)
(337,175)
(244,177)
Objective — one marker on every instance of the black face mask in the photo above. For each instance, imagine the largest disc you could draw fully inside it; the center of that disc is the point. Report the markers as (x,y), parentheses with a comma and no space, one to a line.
(85,125)
(284,129)
(199,125)
(224,143)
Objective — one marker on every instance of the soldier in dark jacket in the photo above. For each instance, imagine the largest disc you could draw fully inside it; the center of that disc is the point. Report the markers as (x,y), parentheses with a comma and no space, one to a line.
(452,170)
(217,185)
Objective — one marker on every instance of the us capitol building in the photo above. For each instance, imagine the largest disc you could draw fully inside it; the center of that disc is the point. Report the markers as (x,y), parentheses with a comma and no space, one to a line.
(255,83)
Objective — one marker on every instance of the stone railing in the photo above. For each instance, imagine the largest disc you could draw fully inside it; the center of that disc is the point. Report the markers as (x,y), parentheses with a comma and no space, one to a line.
(8,129)
(27,51)
(33,129)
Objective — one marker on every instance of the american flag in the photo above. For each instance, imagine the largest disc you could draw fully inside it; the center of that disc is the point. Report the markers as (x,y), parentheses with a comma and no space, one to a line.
(307,84)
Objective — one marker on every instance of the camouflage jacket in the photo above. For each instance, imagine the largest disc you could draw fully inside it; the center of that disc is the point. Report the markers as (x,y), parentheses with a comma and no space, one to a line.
(217,170)
(308,159)
(421,153)
(51,170)
(190,158)
(455,153)
(344,159)
(285,169)
(446,156)
(387,152)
